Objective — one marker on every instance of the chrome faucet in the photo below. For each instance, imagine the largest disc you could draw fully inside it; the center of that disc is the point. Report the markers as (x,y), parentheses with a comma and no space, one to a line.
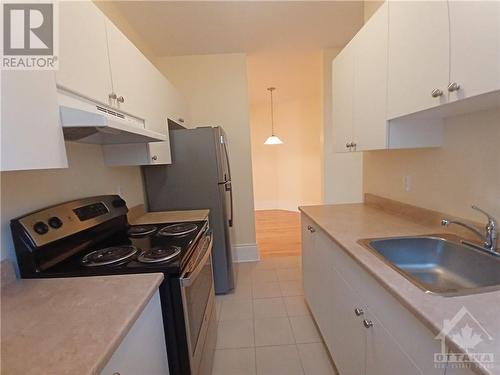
(489,238)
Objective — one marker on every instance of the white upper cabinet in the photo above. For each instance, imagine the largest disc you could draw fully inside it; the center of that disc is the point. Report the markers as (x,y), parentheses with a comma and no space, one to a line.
(370,83)
(83,51)
(179,109)
(359,92)
(31,135)
(343,99)
(418,56)
(475,48)
(140,88)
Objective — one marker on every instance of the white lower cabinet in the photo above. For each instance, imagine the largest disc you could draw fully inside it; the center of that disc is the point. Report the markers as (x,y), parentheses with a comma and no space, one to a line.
(143,349)
(365,329)
(346,338)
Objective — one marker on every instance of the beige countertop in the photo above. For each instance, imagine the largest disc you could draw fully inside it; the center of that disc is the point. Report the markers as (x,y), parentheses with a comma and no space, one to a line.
(137,216)
(348,223)
(69,325)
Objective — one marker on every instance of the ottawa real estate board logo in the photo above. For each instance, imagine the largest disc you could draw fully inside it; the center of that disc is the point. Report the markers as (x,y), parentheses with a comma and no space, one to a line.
(29,36)
(474,341)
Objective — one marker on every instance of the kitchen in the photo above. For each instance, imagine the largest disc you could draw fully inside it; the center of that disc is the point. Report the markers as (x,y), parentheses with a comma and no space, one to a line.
(395,145)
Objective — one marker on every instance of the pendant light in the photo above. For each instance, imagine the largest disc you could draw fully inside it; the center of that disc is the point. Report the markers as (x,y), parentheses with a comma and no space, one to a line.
(272,140)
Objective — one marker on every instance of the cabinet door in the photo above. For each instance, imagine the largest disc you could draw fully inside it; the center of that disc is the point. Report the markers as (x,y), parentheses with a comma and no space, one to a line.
(178,109)
(475,47)
(383,354)
(418,55)
(116,155)
(159,152)
(309,267)
(143,350)
(325,296)
(342,97)
(140,87)
(83,51)
(347,339)
(32,137)
(370,83)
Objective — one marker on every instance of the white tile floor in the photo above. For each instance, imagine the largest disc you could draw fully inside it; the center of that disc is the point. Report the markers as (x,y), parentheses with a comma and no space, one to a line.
(265,327)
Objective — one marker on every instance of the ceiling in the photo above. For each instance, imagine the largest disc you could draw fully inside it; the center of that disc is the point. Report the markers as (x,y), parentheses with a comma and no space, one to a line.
(172,28)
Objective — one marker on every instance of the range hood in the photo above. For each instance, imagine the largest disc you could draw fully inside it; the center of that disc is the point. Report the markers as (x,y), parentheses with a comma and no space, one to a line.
(84,120)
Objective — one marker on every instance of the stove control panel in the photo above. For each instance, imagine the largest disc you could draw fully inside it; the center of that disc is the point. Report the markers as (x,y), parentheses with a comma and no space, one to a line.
(91,211)
(57,222)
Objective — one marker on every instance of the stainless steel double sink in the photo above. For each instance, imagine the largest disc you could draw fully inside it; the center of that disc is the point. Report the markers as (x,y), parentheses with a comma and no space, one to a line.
(439,264)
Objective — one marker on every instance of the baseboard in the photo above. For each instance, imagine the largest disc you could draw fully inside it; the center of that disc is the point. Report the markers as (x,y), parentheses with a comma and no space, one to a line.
(245,253)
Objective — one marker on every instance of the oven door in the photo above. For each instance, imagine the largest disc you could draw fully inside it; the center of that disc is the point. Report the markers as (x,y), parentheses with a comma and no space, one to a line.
(198,299)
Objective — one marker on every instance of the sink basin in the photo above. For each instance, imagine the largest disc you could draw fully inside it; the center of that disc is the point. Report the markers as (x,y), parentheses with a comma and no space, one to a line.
(439,264)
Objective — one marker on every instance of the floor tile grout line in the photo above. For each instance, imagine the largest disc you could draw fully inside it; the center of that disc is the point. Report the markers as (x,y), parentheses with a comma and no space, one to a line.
(296,345)
(254,338)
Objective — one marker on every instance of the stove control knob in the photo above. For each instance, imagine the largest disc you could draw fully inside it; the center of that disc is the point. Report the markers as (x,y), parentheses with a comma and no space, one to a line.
(55,222)
(40,227)
(118,203)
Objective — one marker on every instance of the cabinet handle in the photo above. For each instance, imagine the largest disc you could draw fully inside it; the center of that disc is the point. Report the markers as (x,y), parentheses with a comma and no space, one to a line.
(353,145)
(436,93)
(311,229)
(120,99)
(154,157)
(367,323)
(453,86)
(358,312)
(112,96)
(181,120)
(348,145)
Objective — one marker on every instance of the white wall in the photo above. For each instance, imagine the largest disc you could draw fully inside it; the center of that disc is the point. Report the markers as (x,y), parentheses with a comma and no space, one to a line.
(26,191)
(343,172)
(217,91)
(464,171)
(288,175)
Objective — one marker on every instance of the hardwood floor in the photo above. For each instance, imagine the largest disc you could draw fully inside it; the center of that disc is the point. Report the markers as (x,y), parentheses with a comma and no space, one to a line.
(278,233)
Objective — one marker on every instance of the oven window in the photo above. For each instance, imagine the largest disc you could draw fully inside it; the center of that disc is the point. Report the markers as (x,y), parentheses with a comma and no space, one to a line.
(197,295)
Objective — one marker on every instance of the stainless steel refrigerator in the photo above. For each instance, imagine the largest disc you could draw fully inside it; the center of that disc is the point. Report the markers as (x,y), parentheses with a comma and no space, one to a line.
(199,177)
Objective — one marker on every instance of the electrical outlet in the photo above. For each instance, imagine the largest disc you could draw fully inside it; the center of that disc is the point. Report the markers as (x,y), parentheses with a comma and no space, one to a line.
(407,183)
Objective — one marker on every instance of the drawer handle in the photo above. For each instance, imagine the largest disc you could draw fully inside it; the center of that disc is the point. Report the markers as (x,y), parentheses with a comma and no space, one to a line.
(154,157)
(358,312)
(367,323)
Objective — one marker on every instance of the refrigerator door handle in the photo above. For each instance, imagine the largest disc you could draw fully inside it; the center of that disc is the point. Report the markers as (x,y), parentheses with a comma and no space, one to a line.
(230,189)
(226,154)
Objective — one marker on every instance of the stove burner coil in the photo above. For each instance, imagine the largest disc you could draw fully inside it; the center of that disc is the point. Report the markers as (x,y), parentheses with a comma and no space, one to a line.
(159,254)
(178,229)
(141,230)
(108,256)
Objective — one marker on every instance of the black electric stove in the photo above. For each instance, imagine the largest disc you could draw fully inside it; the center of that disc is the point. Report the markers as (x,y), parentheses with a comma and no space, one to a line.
(92,237)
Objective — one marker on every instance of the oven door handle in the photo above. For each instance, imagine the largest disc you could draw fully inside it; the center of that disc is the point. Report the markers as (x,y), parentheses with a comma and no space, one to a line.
(188,278)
